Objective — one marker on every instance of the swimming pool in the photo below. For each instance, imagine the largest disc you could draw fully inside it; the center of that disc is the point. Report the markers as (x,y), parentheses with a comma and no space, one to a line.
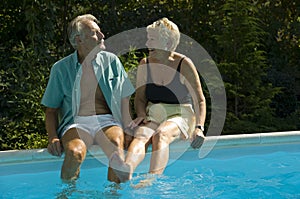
(263,165)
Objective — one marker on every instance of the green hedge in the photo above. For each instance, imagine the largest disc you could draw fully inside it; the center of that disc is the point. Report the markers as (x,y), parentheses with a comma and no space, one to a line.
(258,61)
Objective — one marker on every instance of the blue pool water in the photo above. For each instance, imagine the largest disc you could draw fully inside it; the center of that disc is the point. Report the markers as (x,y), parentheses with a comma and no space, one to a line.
(222,175)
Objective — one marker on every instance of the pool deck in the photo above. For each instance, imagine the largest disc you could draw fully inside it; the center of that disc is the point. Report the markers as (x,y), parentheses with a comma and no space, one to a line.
(211,144)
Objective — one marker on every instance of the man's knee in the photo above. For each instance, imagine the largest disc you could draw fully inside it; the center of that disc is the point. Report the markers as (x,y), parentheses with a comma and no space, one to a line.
(118,139)
(115,135)
(76,150)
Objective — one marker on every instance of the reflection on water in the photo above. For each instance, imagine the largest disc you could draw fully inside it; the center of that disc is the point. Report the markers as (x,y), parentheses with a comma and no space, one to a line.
(78,189)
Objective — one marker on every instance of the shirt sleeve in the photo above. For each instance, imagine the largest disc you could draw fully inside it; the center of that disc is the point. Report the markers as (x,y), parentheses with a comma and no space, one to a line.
(127,87)
(53,95)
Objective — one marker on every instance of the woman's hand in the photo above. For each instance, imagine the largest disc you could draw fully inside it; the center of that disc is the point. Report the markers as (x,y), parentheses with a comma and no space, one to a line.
(197,138)
(136,122)
(130,129)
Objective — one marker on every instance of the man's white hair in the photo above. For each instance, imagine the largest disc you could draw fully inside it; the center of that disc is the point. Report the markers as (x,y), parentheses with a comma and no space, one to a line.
(75,27)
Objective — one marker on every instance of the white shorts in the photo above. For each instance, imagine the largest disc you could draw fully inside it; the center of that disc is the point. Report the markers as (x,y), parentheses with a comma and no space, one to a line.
(92,124)
(181,114)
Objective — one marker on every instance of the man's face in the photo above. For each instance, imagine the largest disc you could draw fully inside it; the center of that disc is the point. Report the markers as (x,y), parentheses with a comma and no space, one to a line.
(92,36)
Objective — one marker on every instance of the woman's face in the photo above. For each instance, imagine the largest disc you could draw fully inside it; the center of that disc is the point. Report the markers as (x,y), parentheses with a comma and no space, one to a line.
(154,42)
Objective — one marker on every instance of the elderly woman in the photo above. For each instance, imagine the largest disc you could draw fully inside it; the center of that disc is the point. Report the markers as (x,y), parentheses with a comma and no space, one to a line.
(169,102)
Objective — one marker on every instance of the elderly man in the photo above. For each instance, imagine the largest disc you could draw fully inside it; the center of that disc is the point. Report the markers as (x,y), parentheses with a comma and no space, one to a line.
(86,99)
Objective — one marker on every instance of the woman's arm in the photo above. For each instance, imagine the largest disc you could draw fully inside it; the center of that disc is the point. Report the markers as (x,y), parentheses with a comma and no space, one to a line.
(192,82)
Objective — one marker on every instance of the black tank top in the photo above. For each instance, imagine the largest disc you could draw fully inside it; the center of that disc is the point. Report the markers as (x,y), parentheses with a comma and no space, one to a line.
(173,93)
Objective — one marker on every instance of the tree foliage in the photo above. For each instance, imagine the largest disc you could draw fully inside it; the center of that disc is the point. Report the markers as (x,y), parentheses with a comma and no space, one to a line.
(255,44)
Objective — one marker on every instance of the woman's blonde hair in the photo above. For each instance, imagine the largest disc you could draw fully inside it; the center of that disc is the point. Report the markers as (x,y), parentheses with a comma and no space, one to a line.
(168,32)
(75,27)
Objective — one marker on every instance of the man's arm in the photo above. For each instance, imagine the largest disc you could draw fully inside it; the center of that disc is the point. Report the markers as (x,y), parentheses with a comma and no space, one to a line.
(140,101)
(126,116)
(54,146)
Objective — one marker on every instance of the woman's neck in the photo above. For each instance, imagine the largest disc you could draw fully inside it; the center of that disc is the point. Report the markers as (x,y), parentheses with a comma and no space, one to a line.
(162,56)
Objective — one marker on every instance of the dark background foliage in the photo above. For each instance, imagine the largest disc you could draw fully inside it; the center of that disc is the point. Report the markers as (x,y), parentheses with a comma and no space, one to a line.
(254,43)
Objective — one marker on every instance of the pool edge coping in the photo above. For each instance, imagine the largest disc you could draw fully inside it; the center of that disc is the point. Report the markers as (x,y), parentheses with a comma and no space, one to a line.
(211,143)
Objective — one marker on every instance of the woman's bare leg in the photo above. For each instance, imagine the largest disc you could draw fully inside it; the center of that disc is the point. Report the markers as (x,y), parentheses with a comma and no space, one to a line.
(165,134)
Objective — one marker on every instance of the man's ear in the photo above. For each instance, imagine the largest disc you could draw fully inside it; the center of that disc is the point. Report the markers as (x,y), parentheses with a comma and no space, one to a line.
(78,39)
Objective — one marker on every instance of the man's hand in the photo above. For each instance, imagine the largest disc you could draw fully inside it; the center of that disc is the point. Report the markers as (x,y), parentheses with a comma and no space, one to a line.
(197,139)
(54,147)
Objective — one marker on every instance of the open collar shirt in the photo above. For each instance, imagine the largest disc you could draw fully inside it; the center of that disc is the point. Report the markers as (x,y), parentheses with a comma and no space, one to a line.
(63,89)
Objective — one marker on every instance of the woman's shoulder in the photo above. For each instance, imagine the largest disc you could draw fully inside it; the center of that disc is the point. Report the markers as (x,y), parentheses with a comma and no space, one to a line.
(185,59)
(142,62)
(179,56)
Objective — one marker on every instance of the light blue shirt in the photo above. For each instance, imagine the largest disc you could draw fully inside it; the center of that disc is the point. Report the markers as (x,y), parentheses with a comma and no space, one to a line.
(63,89)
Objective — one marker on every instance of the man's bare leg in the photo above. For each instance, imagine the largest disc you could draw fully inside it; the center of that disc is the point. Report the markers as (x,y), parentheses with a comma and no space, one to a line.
(120,168)
(124,169)
(111,139)
(75,143)
(135,155)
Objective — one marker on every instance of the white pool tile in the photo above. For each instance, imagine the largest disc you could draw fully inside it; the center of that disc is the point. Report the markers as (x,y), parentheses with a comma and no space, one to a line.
(211,143)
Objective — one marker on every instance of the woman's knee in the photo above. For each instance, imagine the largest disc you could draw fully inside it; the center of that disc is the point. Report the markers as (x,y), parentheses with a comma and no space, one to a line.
(161,135)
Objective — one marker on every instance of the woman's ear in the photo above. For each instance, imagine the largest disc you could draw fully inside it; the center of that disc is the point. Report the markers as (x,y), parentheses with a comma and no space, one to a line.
(168,45)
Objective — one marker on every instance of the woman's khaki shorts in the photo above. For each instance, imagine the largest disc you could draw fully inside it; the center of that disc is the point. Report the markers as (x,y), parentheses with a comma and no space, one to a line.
(181,114)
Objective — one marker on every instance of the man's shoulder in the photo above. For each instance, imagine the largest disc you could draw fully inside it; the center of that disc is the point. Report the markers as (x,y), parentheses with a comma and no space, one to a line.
(65,62)
(107,58)
(107,54)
